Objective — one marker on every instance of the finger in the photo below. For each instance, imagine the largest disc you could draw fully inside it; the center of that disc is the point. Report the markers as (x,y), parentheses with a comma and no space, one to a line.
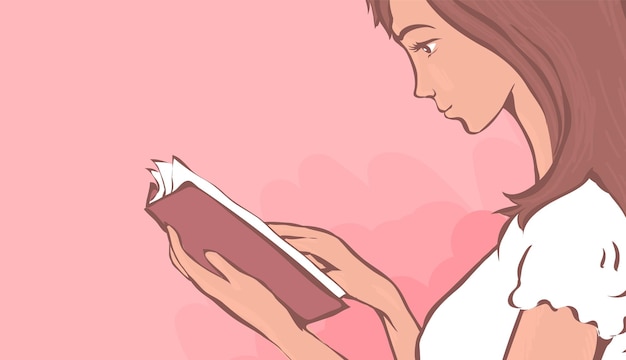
(173,236)
(224,266)
(339,277)
(292,230)
(319,247)
(305,240)
(201,276)
(176,263)
(317,263)
(174,239)
(171,233)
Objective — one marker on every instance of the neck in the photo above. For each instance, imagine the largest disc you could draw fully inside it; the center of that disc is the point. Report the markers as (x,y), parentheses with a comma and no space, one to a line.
(532,120)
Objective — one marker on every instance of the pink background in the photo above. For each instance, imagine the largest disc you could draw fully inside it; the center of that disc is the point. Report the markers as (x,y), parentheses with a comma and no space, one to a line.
(301,111)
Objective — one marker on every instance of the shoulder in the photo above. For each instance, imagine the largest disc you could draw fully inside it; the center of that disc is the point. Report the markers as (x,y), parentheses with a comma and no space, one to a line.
(571,258)
(586,212)
(582,223)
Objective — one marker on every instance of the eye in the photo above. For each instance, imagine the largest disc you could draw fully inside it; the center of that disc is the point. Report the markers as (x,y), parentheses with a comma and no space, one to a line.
(427,46)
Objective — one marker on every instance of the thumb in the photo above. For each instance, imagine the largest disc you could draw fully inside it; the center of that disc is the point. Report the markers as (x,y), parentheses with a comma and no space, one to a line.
(222,265)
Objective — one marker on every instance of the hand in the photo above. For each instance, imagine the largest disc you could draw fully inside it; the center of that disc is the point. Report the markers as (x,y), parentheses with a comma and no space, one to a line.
(360,280)
(247,300)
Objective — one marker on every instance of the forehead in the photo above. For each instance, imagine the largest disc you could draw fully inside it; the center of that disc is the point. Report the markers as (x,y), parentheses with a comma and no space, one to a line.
(411,12)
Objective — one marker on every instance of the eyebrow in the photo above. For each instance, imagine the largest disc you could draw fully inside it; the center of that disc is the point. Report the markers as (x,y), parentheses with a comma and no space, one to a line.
(404,31)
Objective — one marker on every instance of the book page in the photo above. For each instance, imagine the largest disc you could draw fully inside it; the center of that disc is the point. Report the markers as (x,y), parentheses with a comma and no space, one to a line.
(175,174)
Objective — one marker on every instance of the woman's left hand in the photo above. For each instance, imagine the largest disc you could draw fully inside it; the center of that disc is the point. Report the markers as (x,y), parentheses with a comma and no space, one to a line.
(239,294)
(247,300)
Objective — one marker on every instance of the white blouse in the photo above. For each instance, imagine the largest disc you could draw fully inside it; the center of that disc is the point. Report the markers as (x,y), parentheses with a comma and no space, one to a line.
(568,254)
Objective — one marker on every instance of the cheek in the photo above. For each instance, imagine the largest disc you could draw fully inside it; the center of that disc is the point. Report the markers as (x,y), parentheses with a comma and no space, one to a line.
(479,95)
(441,79)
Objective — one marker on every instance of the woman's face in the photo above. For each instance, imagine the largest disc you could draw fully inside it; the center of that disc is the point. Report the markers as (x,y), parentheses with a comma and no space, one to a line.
(467,81)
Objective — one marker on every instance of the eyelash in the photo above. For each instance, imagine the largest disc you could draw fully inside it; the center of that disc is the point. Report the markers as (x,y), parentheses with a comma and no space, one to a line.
(421,45)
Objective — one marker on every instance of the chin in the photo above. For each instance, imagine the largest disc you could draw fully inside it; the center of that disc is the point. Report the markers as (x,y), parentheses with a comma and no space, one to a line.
(466,127)
(473,127)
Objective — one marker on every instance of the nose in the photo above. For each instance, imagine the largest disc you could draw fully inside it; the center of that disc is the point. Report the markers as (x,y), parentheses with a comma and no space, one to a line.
(422,87)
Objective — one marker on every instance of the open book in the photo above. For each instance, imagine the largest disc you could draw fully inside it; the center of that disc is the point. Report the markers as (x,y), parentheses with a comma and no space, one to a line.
(206,219)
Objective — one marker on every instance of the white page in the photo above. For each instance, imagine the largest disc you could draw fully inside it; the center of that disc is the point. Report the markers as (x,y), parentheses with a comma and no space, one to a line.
(160,187)
(179,174)
(166,174)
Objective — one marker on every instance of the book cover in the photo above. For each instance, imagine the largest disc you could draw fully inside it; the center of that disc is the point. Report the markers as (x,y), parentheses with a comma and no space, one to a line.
(206,219)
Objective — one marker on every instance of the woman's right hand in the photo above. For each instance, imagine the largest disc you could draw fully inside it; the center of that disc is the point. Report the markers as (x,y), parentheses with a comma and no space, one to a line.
(360,280)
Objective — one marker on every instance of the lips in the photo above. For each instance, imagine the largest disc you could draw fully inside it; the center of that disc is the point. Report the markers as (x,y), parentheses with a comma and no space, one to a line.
(446,108)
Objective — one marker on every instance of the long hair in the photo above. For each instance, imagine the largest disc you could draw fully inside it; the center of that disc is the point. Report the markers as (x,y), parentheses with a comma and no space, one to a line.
(572,56)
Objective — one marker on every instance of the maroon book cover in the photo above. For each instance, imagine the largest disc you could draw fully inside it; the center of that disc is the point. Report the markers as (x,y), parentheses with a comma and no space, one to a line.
(203,223)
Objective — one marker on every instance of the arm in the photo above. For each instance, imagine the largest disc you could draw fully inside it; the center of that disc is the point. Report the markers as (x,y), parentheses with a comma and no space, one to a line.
(402,339)
(401,328)
(544,333)
(302,345)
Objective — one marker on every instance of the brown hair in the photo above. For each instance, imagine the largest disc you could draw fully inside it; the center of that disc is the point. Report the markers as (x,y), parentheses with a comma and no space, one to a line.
(572,56)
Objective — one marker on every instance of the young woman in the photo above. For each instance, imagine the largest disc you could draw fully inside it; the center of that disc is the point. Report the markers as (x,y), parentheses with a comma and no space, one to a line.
(555,286)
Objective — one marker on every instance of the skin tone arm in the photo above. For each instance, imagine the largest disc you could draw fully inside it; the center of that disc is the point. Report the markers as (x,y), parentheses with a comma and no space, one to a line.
(304,345)
(400,325)
(544,333)
(402,335)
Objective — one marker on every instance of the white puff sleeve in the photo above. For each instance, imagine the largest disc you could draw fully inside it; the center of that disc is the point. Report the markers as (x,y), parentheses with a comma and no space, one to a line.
(576,257)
